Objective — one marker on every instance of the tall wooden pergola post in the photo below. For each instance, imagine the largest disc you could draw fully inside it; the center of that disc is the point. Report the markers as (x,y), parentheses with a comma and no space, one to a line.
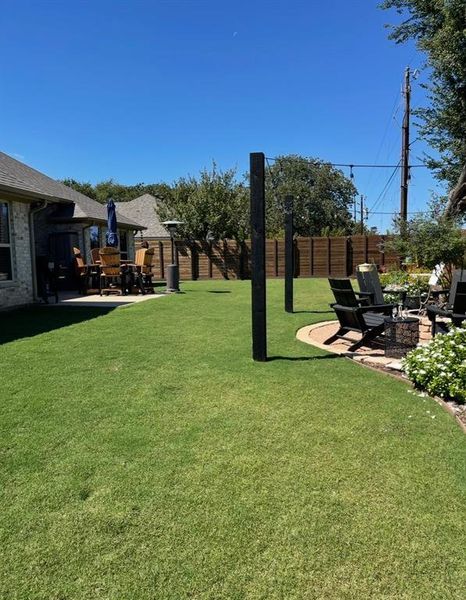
(258,274)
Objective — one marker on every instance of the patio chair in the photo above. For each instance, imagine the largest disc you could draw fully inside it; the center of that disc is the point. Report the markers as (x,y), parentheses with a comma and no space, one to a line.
(356,315)
(456,311)
(95,255)
(112,276)
(81,271)
(144,258)
(369,284)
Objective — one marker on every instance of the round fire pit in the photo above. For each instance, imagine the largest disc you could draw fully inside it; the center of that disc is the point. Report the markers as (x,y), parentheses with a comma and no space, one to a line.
(401,336)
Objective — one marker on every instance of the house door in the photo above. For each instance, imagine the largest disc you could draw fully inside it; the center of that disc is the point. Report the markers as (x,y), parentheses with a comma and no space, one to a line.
(61,253)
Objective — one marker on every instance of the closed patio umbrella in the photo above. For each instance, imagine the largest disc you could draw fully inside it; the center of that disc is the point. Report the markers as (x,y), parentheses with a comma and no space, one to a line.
(111,236)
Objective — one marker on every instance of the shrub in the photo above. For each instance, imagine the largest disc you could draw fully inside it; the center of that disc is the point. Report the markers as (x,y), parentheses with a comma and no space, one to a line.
(414,284)
(440,366)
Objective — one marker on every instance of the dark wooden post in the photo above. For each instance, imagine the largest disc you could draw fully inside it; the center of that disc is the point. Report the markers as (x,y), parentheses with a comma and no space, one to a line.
(194,261)
(289,254)
(311,256)
(329,257)
(258,281)
(210,259)
(161,259)
(225,259)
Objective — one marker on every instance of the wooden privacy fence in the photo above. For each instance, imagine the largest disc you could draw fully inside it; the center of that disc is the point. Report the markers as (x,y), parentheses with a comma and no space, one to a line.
(314,257)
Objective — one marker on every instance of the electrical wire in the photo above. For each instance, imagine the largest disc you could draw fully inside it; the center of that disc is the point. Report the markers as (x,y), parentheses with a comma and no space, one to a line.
(351,165)
(385,189)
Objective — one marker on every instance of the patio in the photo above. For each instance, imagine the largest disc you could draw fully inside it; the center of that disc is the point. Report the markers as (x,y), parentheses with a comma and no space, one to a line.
(95,300)
(373,355)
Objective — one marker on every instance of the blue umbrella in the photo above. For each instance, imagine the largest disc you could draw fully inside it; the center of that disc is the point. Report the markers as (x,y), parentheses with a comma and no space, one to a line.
(112,232)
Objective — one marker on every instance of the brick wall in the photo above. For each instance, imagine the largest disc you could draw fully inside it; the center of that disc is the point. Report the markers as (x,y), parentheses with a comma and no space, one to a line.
(20,290)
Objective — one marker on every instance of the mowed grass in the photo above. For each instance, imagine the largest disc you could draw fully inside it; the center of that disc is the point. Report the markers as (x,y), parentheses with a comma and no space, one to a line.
(145,456)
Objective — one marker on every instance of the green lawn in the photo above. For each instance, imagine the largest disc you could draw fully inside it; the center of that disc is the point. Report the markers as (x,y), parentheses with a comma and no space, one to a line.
(145,456)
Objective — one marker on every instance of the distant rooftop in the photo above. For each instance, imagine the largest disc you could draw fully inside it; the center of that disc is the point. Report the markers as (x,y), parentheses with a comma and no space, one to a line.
(143,210)
(16,177)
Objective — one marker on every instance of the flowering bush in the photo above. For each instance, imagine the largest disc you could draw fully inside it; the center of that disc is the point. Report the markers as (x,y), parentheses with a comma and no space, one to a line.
(440,366)
(414,284)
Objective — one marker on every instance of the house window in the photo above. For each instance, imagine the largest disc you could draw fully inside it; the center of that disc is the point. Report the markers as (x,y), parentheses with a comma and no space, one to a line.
(123,235)
(94,234)
(6,269)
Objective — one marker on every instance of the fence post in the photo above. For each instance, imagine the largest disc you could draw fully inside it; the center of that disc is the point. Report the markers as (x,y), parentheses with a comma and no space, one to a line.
(210,259)
(311,256)
(329,259)
(225,264)
(258,281)
(194,266)
(161,261)
(276,257)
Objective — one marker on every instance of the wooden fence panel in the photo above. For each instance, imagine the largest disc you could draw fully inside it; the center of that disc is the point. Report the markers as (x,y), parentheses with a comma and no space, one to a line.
(338,257)
(315,257)
(320,257)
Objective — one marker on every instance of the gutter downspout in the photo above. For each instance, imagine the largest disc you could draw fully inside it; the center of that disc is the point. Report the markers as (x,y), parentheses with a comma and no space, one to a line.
(32,240)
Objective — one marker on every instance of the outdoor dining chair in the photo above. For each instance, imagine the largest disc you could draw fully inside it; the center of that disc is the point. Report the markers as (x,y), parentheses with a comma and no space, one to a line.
(112,276)
(144,258)
(356,314)
(81,271)
(95,255)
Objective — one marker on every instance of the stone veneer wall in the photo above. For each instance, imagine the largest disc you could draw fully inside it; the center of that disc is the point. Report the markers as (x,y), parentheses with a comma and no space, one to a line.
(20,290)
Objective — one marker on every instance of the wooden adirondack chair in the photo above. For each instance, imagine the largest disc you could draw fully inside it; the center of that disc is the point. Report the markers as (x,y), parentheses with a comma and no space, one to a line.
(356,314)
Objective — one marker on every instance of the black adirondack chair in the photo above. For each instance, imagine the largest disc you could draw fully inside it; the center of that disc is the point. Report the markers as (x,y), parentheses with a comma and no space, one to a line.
(369,283)
(456,311)
(356,314)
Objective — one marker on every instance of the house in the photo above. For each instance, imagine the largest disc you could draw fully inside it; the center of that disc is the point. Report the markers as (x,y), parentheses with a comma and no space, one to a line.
(144,210)
(42,220)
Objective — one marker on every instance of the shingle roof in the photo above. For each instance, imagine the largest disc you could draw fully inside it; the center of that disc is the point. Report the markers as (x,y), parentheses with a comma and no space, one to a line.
(16,176)
(143,210)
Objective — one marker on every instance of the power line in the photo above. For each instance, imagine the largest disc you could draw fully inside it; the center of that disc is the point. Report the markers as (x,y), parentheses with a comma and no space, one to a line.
(381,196)
(349,165)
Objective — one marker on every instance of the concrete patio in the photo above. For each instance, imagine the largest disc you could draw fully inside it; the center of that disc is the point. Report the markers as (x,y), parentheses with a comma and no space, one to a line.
(95,300)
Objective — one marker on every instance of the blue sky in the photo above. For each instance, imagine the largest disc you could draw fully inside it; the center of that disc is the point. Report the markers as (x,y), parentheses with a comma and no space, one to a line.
(153,90)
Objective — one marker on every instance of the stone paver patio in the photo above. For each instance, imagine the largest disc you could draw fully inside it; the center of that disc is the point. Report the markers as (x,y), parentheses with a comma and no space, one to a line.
(372,356)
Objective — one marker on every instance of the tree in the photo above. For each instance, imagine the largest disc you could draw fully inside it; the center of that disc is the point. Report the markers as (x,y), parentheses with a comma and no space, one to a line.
(215,203)
(322,196)
(84,187)
(110,188)
(430,239)
(439,29)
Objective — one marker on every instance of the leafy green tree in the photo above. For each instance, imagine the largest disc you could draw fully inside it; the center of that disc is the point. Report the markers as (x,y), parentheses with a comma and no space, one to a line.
(439,29)
(322,196)
(213,203)
(430,239)
(109,188)
(84,187)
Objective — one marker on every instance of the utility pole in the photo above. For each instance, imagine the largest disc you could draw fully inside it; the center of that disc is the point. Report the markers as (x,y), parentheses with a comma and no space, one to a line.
(361,199)
(405,149)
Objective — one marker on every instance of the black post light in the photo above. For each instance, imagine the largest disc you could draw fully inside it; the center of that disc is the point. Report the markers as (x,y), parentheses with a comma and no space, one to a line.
(173,271)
